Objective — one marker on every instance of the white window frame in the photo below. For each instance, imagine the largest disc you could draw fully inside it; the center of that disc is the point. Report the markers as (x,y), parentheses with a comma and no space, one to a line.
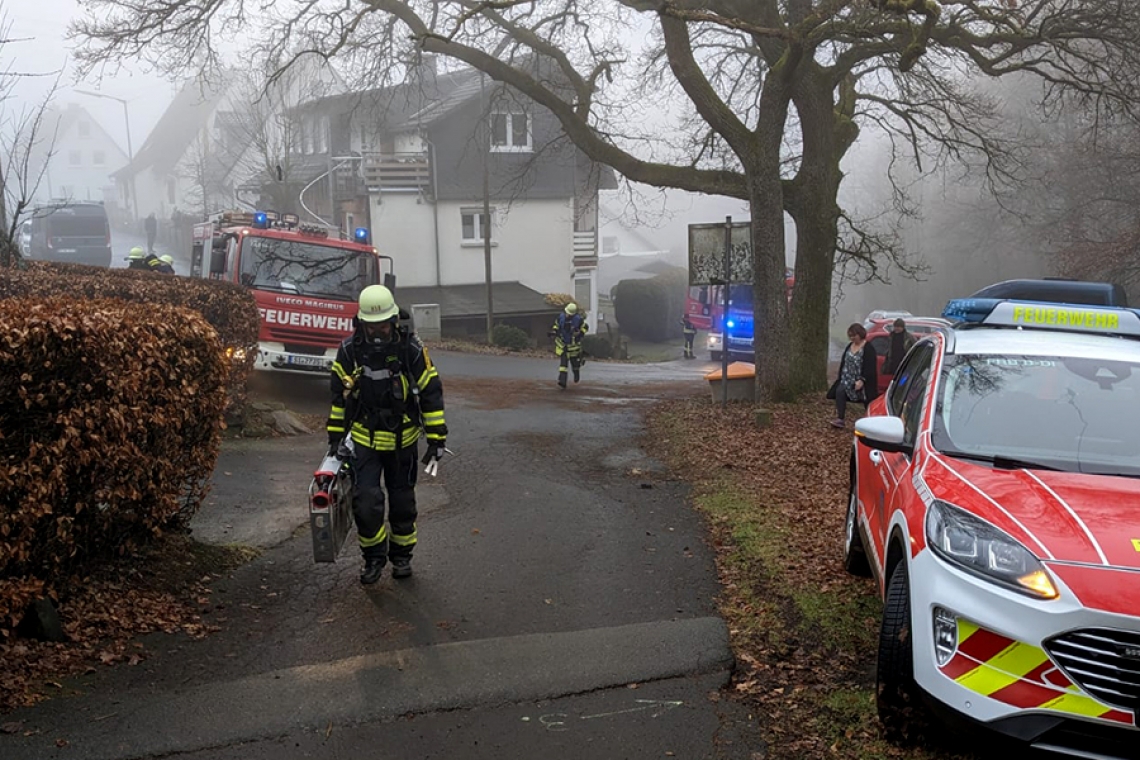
(509,146)
(477,214)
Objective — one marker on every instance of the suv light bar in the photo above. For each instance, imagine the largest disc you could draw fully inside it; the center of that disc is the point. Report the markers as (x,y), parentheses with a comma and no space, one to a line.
(1035,315)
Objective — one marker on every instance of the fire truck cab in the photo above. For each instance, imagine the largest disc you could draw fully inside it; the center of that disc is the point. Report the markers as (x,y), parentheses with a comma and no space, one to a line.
(306,284)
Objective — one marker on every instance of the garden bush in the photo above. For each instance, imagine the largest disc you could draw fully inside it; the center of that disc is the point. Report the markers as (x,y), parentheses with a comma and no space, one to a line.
(110,424)
(511,337)
(650,309)
(598,346)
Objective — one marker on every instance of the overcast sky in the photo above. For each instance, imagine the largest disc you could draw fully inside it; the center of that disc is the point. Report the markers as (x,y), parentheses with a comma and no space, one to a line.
(43,23)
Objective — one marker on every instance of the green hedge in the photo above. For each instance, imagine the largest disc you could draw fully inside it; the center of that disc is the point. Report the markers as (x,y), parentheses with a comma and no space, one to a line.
(509,336)
(651,309)
(598,346)
(110,424)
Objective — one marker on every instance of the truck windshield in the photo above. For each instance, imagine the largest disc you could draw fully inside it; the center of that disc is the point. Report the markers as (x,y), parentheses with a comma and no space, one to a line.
(1076,414)
(311,269)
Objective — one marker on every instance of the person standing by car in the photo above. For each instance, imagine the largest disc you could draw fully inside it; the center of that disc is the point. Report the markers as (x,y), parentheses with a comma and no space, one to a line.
(385,393)
(690,332)
(858,380)
(900,342)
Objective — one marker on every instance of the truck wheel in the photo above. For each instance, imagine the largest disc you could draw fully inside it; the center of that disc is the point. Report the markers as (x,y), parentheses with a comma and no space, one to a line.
(896,698)
(716,356)
(854,554)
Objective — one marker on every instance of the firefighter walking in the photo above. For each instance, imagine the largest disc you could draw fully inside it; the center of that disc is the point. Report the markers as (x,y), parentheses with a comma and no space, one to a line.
(386,391)
(568,331)
(690,332)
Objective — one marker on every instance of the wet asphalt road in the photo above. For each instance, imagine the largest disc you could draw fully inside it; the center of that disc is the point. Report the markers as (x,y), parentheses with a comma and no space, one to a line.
(563,604)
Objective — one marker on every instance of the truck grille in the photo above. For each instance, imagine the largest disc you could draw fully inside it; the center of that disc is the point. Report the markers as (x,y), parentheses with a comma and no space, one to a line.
(299,335)
(1103,662)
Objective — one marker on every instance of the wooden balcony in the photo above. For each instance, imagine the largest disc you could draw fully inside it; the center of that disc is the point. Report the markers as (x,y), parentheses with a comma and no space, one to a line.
(586,248)
(397,172)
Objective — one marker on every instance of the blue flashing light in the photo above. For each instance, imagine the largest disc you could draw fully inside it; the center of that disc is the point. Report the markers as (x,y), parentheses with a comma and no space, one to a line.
(261,220)
(730,324)
(360,235)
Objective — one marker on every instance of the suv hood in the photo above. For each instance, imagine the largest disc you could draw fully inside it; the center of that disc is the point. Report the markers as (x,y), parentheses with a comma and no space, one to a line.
(1061,516)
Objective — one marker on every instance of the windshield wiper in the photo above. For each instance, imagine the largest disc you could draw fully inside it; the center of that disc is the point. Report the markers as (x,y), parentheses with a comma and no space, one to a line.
(1002,462)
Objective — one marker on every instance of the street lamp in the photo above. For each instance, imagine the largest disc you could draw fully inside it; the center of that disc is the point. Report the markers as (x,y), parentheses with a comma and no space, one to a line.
(130,150)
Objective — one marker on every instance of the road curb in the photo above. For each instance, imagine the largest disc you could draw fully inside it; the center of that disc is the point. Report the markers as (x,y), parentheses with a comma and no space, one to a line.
(372,687)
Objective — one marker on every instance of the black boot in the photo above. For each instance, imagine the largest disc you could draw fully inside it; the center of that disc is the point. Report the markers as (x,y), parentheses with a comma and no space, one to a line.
(373,567)
(401,567)
(562,380)
(577,376)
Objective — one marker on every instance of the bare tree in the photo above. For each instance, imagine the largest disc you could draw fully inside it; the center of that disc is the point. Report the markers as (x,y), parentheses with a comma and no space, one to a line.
(742,67)
(26,144)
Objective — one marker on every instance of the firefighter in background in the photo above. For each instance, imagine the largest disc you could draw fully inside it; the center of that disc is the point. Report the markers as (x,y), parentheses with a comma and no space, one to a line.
(385,393)
(136,259)
(166,264)
(568,331)
(690,332)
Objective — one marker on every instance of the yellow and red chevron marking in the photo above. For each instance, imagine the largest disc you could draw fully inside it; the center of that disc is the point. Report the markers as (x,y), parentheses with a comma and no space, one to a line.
(1020,675)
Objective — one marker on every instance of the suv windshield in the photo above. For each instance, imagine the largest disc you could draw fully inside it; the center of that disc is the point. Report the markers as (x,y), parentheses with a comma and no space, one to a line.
(1075,414)
(307,269)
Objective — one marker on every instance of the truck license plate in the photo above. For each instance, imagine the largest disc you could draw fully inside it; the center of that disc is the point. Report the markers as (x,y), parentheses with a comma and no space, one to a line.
(308,361)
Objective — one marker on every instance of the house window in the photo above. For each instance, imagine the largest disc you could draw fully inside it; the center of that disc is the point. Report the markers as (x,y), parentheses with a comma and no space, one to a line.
(84,128)
(100,158)
(510,132)
(75,158)
(610,244)
(473,225)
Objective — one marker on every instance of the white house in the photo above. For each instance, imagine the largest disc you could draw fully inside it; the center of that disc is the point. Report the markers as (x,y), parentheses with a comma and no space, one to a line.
(83,157)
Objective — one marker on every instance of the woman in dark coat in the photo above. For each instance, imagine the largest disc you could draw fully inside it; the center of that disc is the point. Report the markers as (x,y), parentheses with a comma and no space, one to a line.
(858,380)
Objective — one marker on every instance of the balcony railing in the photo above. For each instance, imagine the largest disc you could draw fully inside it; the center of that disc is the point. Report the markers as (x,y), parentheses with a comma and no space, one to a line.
(399,172)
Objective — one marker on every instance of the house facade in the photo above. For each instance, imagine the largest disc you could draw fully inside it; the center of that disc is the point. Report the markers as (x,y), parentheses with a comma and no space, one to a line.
(83,157)
(418,164)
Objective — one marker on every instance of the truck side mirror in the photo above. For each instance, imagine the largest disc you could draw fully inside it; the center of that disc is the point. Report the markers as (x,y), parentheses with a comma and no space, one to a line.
(390,281)
(218,261)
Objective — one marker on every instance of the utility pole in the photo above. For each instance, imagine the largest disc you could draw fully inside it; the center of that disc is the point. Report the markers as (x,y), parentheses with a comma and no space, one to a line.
(486,221)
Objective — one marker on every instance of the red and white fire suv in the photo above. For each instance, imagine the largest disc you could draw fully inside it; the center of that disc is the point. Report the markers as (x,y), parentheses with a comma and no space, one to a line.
(995,496)
(306,284)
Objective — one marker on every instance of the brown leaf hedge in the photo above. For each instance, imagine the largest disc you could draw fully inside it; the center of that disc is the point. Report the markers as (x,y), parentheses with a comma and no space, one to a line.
(113,386)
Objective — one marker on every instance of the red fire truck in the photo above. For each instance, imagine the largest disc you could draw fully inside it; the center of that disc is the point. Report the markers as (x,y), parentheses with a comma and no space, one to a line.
(305,283)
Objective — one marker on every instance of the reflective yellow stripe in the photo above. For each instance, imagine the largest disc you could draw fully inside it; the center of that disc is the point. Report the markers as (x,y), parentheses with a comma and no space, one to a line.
(433,417)
(337,413)
(382,440)
(966,629)
(408,540)
(339,370)
(1077,704)
(426,377)
(335,428)
(1003,669)
(377,539)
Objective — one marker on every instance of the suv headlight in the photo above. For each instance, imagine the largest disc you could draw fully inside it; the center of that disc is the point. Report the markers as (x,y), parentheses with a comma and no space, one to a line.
(980,548)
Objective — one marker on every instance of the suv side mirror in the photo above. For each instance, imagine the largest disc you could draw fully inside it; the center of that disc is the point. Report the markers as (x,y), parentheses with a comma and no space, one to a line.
(885,433)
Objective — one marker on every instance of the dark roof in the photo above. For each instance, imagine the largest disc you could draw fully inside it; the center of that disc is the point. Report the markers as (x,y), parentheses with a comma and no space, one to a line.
(180,123)
(460,301)
(419,101)
(659,267)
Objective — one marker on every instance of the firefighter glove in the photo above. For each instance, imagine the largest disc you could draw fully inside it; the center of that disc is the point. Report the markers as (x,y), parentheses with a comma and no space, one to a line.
(435,451)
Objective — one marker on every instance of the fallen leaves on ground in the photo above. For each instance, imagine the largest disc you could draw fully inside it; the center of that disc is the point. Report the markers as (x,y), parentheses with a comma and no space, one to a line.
(160,590)
(804,631)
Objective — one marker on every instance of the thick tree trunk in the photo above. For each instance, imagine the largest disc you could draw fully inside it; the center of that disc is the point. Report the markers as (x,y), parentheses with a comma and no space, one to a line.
(828,132)
(766,198)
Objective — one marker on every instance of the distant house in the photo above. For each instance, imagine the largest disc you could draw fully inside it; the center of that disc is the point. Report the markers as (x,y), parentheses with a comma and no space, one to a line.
(161,173)
(411,161)
(216,138)
(83,157)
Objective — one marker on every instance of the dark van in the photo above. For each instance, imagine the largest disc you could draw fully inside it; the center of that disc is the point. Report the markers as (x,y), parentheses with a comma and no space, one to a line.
(1057,290)
(72,232)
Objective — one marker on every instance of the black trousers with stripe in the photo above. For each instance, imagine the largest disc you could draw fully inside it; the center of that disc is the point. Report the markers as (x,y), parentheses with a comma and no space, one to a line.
(397,470)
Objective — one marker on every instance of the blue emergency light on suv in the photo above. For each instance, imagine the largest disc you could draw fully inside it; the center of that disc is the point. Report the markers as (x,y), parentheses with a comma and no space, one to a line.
(738,330)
